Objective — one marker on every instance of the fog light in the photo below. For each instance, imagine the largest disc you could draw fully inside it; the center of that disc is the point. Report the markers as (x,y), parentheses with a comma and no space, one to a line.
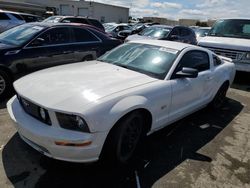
(43,114)
(80,123)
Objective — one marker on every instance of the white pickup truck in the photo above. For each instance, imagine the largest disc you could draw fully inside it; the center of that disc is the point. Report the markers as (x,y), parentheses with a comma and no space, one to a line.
(230,38)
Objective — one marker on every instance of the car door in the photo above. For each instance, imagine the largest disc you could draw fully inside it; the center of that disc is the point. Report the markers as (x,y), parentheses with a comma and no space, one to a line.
(189,94)
(49,49)
(86,45)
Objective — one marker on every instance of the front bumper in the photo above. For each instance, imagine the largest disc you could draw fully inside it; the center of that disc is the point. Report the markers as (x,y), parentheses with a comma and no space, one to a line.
(43,137)
(241,66)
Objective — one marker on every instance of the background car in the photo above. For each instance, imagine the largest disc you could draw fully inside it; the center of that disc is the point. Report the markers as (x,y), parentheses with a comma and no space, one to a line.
(163,32)
(82,112)
(113,29)
(34,46)
(201,32)
(230,38)
(75,19)
(135,29)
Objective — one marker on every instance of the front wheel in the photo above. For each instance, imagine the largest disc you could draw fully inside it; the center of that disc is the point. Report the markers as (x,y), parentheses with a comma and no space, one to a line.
(4,84)
(125,138)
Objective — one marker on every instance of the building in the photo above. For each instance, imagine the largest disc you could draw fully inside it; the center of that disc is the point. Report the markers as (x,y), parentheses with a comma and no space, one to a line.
(188,22)
(100,11)
(159,20)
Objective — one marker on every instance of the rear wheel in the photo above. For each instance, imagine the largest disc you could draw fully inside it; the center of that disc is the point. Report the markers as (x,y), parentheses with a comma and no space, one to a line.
(4,83)
(125,138)
(220,97)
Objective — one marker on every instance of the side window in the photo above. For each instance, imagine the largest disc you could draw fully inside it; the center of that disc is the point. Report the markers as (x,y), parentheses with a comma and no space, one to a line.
(74,20)
(96,23)
(3,16)
(54,36)
(175,31)
(184,32)
(82,35)
(216,60)
(17,16)
(194,59)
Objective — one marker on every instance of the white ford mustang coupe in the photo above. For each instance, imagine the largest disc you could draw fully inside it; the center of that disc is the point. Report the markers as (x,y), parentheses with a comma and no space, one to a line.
(75,112)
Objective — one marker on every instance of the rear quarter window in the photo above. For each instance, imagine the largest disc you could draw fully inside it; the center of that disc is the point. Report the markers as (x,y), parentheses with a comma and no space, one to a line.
(216,60)
(82,35)
(3,16)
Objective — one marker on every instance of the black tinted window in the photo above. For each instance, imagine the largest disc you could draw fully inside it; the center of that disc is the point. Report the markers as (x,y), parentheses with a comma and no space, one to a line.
(216,60)
(96,23)
(82,35)
(75,20)
(56,36)
(184,32)
(29,18)
(17,16)
(3,16)
(175,31)
(194,59)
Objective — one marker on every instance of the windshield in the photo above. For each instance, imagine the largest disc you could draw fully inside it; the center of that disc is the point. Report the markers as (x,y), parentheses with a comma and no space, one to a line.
(231,28)
(20,34)
(201,32)
(136,26)
(157,32)
(151,60)
(53,19)
(109,28)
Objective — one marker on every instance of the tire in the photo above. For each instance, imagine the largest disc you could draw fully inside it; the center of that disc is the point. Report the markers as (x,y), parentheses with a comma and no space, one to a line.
(125,138)
(220,97)
(5,84)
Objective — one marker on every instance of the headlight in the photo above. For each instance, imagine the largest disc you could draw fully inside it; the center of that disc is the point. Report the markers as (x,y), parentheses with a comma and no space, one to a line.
(72,122)
(247,56)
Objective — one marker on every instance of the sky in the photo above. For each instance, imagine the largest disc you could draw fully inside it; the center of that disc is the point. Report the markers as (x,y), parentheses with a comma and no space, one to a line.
(193,9)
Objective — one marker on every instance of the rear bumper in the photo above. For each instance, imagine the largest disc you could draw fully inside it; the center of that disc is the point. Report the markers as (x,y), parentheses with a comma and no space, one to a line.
(43,137)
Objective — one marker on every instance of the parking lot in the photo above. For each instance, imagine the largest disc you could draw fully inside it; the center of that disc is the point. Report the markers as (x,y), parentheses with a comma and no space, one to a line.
(206,149)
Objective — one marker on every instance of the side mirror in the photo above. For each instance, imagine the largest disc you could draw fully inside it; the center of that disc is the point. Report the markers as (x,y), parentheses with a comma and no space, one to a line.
(38,42)
(187,73)
(174,37)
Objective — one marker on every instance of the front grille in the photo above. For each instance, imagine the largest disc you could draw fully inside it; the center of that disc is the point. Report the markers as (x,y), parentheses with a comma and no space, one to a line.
(233,54)
(32,109)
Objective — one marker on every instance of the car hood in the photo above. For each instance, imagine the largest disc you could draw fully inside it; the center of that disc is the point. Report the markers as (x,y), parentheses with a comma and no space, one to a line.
(70,86)
(226,43)
(138,37)
(7,46)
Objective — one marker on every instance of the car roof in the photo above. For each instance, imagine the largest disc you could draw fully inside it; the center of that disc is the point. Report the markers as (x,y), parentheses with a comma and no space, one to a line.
(20,13)
(163,26)
(83,17)
(236,18)
(163,43)
(51,24)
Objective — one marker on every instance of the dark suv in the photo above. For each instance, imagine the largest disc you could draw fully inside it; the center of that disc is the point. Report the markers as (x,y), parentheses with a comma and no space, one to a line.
(35,46)
(75,19)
